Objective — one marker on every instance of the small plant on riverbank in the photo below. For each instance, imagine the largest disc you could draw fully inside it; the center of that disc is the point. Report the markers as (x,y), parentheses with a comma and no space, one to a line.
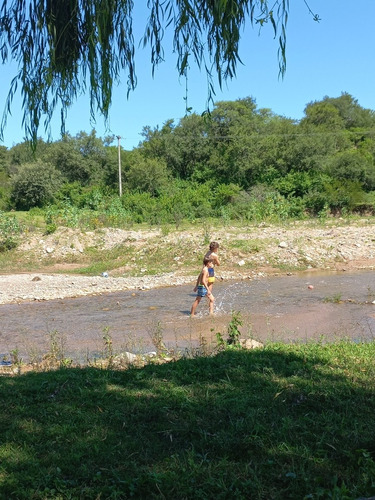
(335,298)
(233,331)
(55,356)
(10,229)
(16,359)
(108,346)
(156,335)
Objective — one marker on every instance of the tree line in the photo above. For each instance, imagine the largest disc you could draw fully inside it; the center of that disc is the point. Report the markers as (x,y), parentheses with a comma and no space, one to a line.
(236,162)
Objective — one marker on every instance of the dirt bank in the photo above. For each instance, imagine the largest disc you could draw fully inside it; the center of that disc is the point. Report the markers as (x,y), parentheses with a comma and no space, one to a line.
(245,253)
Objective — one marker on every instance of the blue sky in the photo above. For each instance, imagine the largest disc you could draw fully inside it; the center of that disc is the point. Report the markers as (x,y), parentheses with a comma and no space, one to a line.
(325,58)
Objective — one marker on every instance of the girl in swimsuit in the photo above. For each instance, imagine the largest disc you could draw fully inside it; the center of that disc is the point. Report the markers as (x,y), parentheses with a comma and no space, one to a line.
(212,254)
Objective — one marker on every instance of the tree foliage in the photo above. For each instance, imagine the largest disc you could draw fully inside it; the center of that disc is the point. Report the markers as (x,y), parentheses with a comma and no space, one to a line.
(65,47)
(147,174)
(339,112)
(34,185)
(237,162)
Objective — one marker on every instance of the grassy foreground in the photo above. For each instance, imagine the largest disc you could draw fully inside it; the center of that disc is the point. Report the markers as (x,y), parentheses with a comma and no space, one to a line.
(287,421)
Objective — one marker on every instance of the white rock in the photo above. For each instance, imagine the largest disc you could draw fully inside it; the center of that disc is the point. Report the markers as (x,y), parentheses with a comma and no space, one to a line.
(151,354)
(250,344)
(128,357)
(241,263)
(283,244)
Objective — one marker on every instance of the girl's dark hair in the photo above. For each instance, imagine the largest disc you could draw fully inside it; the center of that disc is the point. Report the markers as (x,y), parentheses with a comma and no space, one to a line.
(214,245)
(207,260)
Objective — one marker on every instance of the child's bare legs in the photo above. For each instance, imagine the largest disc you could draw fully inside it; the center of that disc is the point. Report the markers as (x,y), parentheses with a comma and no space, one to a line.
(211,299)
(194,306)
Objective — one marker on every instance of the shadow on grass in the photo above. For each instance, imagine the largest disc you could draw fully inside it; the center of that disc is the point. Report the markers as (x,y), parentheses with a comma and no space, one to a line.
(283,422)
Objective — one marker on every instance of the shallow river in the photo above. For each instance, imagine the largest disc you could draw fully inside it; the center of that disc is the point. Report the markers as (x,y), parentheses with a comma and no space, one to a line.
(276,308)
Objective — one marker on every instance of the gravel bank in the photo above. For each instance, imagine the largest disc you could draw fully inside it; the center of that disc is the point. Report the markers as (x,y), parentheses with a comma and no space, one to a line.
(38,286)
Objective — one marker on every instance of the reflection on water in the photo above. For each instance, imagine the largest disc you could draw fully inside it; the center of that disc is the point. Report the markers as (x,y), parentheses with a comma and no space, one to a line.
(277,308)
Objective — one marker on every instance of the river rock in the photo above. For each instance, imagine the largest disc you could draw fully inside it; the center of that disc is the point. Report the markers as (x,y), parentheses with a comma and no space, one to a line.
(250,344)
(124,358)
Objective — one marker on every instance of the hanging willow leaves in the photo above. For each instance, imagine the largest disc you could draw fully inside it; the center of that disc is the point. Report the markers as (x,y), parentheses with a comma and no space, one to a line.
(66,47)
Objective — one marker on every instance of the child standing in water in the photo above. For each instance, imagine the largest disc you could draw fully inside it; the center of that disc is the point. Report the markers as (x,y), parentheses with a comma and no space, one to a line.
(202,287)
(212,254)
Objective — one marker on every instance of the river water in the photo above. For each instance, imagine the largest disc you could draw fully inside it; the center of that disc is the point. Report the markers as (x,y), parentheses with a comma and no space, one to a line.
(282,308)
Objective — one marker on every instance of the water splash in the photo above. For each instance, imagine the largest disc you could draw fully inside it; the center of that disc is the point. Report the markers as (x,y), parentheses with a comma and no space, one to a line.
(232,297)
(225,300)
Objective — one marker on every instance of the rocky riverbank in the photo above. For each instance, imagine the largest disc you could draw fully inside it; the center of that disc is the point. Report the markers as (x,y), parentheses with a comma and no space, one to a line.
(245,253)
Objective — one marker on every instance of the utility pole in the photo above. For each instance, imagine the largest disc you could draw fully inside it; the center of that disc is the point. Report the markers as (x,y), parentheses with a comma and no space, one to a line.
(119,166)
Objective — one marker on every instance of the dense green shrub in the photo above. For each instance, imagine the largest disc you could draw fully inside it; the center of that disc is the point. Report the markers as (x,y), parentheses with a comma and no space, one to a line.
(72,192)
(34,185)
(316,202)
(142,206)
(260,203)
(4,198)
(343,195)
(148,175)
(295,184)
(353,166)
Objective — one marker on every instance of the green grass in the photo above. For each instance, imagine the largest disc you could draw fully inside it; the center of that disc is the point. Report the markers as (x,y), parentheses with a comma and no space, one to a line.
(98,261)
(285,422)
(247,246)
(150,259)
(31,220)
